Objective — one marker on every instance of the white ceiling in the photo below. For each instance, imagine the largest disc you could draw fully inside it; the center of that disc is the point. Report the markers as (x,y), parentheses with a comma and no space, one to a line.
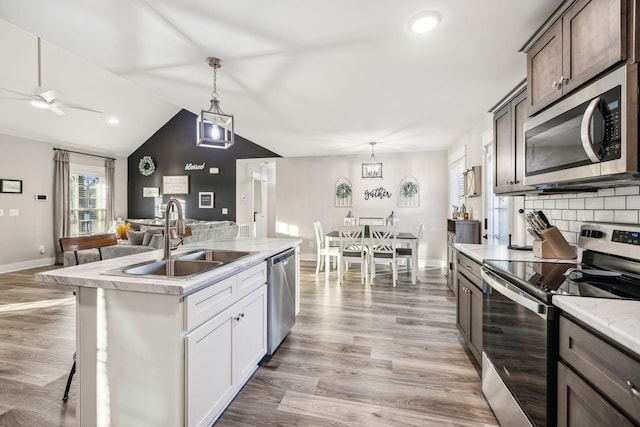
(314,77)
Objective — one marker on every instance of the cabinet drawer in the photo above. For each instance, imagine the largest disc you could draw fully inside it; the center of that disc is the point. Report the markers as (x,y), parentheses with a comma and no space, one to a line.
(251,279)
(604,366)
(471,269)
(203,305)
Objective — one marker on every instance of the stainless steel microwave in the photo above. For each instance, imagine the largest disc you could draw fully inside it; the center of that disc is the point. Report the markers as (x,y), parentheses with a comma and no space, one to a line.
(585,139)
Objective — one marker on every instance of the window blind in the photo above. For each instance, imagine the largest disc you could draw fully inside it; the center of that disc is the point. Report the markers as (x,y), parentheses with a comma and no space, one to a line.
(456,182)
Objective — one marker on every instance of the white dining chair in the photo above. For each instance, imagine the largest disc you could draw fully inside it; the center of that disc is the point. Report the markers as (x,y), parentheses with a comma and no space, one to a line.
(382,249)
(407,253)
(322,250)
(352,249)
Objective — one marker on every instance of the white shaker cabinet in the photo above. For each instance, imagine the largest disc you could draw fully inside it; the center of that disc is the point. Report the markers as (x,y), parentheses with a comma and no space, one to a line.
(222,354)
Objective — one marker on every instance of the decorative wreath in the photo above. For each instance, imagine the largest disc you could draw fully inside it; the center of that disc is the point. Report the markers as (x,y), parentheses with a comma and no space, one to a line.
(409,189)
(343,190)
(146,166)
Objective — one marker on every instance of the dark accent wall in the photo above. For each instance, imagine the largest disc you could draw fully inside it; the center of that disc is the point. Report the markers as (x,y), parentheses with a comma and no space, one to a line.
(172,147)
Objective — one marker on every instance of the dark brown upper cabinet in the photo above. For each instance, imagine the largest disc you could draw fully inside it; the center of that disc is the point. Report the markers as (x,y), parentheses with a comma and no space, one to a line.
(587,38)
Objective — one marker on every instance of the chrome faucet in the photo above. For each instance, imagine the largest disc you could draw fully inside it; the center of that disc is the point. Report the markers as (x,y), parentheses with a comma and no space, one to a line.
(179,226)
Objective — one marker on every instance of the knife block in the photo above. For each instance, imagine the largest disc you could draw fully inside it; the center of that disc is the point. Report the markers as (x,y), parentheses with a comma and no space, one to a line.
(553,245)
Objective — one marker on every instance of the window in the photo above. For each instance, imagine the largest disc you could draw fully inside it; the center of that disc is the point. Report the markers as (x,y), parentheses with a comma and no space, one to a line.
(497,207)
(456,183)
(87,200)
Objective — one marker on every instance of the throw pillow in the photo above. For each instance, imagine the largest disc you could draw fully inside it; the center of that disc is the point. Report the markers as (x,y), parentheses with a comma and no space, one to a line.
(122,230)
(135,237)
(149,233)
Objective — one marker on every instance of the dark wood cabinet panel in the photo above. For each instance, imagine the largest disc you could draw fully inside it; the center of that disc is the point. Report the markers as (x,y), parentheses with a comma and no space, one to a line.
(508,141)
(579,405)
(469,307)
(544,69)
(589,38)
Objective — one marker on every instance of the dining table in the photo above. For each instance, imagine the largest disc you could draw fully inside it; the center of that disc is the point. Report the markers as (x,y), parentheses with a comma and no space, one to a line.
(401,236)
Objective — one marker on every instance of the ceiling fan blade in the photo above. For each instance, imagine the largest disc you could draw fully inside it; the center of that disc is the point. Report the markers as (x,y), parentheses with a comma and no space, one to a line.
(46,94)
(15,99)
(76,106)
(53,107)
(26,95)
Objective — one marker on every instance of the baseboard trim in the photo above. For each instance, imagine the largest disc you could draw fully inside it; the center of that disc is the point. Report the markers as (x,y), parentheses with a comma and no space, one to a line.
(34,263)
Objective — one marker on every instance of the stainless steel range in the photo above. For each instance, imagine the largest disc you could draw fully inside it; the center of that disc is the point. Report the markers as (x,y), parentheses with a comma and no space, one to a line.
(520,331)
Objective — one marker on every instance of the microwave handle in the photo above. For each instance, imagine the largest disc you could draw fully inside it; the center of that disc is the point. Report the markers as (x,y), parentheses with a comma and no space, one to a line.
(585,134)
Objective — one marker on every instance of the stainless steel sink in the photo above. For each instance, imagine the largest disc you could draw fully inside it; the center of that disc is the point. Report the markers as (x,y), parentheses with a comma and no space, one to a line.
(213,255)
(175,268)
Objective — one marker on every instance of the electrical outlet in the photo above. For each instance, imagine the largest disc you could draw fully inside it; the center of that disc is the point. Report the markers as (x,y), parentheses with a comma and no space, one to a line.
(225,211)
(41,248)
(14,212)
(311,244)
(1,212)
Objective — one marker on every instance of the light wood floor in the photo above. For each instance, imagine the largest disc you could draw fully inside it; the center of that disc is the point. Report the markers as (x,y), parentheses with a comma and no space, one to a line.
(357,356)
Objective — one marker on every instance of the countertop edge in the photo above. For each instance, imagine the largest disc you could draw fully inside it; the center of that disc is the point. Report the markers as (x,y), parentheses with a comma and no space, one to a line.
(617,319)
(92,274)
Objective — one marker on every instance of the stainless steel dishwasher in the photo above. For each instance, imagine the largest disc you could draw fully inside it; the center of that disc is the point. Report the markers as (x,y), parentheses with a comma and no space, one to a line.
(281,300)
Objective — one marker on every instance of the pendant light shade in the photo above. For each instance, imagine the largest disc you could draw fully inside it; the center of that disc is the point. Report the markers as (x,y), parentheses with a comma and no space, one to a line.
(214,127)
(372,168)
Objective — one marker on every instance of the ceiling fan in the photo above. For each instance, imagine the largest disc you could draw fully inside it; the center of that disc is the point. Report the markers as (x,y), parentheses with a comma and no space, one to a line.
(41,97)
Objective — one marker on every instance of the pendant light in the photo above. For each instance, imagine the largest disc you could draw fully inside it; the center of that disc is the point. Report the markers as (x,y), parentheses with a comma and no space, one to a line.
(215,128)
(372,168)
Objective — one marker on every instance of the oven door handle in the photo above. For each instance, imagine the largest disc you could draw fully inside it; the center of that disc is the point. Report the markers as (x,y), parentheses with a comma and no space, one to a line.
(527,302)
(585,131)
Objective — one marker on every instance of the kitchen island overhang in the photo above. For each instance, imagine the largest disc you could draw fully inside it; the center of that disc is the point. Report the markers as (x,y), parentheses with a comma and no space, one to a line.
(146,347)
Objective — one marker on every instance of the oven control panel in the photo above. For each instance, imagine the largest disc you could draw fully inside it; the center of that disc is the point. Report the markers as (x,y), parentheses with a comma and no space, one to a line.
(616,239)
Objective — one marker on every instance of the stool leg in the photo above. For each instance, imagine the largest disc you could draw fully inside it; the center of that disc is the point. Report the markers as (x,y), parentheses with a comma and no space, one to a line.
(73,371)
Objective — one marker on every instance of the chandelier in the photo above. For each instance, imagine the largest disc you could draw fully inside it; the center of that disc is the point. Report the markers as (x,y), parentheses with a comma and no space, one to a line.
(372,168)
(215,128)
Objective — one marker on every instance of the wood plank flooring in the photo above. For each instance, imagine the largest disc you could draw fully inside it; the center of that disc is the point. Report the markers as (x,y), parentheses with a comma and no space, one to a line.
(357,356)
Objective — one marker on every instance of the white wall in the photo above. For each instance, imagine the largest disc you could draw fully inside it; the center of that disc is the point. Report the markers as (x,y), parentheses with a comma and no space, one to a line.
(32,162)
(305,193)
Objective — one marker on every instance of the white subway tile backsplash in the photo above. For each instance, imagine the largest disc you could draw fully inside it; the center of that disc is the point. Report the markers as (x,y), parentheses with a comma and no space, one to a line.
(605,192)
(594,203)
(633,202)
(603,216)
(630,217)
(624,191)
(576,204)
(615,202)
(584,215)
(570,210)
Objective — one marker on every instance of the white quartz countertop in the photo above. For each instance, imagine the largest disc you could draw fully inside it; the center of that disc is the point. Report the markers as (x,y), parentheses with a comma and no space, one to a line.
(615,318)
(479,253)
(95,274)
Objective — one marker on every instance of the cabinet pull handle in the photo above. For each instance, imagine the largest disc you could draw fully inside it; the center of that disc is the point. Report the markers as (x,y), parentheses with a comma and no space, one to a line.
(238,317)
(634,390)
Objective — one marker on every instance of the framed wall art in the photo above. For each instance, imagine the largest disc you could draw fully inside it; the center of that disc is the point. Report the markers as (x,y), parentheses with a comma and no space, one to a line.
(11,186)
(178,184)
(205,199)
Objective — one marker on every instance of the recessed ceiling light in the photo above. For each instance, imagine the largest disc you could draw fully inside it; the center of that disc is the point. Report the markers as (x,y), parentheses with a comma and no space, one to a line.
(424,22)
(113,120)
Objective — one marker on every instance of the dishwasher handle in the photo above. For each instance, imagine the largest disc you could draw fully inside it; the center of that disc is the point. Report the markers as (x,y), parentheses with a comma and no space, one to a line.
(282,257)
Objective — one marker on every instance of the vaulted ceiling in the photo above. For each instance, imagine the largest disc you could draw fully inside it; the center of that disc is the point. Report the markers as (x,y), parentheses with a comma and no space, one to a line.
(302,78)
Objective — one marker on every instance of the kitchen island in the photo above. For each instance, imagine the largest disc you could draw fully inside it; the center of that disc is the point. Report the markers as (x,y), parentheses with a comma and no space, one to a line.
(166,350)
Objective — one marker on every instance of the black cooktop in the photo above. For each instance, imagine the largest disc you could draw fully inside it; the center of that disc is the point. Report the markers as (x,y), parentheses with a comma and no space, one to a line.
(545,279)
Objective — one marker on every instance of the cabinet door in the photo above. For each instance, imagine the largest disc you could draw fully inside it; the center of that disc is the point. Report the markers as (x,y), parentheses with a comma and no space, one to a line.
(581,406)
(250,333)
(594,38)
(520,114)
(503,149)
(463,298)
(209,369)
(544,69)
(475,322)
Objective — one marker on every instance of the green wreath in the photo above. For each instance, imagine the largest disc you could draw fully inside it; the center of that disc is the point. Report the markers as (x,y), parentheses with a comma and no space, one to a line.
(343,190)
(146,166)
(409,189)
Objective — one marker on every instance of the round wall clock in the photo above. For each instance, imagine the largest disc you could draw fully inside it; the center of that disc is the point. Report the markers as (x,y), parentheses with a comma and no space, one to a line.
(146,166)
